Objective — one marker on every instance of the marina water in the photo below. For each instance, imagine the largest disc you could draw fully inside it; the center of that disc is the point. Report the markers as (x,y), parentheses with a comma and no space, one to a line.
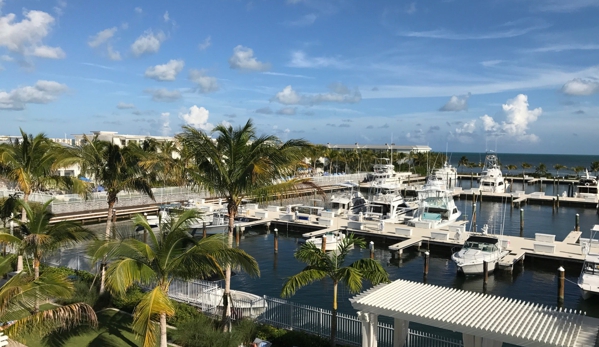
(536,281)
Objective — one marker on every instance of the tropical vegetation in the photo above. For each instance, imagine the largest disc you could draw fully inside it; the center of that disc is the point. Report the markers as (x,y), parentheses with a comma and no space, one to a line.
(331,265)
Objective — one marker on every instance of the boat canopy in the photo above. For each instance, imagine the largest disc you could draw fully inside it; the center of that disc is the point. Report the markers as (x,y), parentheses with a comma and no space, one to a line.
(485,239)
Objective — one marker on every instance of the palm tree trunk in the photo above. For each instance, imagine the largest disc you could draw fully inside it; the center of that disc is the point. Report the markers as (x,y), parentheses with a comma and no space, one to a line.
(36,274)
(334,316)
(107,233)
(23,212)
(163,340)
(227,293)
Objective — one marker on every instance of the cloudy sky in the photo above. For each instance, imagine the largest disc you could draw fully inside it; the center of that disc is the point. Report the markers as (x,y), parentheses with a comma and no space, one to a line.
(515,75)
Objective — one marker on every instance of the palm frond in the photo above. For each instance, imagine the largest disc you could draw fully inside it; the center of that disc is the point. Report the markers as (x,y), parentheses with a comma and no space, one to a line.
(154,303)
(302,279)
(371,270)
(123,273)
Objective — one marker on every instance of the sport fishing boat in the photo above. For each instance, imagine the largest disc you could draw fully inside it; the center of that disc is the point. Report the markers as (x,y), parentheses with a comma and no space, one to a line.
(478,248)
(350,200)
(587,187)
(436,208)
(491,179)
(383,173)
(386,203)
(447,175)
(588,281)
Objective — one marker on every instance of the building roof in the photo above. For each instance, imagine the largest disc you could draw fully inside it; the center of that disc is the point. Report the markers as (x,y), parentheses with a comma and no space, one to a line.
(494,317)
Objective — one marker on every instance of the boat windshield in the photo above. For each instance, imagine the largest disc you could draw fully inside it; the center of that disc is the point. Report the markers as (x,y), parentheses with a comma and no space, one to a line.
(591,268)
(481,246)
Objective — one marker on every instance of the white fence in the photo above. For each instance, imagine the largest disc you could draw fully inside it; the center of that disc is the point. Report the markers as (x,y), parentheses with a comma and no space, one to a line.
(332,179)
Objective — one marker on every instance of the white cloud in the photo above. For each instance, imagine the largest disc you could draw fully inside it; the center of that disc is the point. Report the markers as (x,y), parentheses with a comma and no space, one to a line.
(166,17)
(456,103)
(163,95)
(243,59)
(165,72)
(518,116)
(339,93)
(42,92)
(301,60)
(293,2)
(166,128)
(197,117)
(566,47)
(580,87)
(466,132)
(147,43)
(264,110)
(303,21)
(411,9)
(123,106)
(139,10)
(25,37)
(205,44)
(5,57)
(287,111)
(564,6)
(206,84)
(285,74)
(449,35)
(101,37)
(491,63)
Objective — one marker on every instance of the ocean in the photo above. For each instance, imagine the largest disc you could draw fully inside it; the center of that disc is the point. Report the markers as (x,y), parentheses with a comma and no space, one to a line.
(569,160)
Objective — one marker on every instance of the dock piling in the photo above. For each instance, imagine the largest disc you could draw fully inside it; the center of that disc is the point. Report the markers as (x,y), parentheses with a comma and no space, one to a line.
(277,241)
(521,222)
(481,197)
(474,217)
(485,273)
(323,246)
(553,204)
(237,234)
(577,225)
(557,202)
(561,286)
(204,232)
(426,261)
(511,201)
(371,249)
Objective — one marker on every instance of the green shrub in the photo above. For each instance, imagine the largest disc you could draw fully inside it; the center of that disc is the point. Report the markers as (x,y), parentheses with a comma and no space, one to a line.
(282,337)
(203,331)
(128,300)
(183,313)
(83,293)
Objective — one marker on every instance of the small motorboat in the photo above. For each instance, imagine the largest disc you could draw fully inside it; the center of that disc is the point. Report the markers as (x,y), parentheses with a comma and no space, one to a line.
(333,240)
(477,249)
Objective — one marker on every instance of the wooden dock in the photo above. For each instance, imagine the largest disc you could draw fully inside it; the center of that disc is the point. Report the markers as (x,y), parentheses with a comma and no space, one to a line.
(542,246)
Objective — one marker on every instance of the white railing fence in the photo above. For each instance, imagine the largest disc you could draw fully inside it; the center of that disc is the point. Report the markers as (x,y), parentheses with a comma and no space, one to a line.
(332,179)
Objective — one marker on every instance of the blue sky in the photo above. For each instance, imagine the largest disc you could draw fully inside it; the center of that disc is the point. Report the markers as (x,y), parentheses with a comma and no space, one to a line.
(520,76)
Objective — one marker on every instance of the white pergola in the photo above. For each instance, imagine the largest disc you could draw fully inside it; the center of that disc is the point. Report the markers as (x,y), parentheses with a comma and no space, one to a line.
(484,320)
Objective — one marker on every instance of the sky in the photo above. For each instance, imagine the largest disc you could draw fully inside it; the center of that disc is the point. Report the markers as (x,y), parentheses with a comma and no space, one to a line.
(516,76)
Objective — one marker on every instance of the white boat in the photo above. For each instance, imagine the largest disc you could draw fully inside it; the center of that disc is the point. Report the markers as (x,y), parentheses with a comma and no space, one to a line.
(491,179)
(446,174)
(587,180)
(587,187)
(478,248)
(386,203)
(436,208)
(348,201)
(333,239)
(588,281)
(383,172)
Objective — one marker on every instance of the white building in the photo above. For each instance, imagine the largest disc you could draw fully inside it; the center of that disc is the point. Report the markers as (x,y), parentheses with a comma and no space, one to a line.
(119,139)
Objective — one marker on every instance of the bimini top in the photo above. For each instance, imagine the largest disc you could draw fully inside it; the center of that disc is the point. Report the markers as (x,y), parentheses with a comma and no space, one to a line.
(494,317)
(483,238)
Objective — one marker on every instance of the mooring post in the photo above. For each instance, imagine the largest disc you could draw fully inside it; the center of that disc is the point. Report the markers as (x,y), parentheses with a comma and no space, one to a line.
(276,240)
(480,190)
(512,201)
(577,225)
(204,231)
(371,249)
(557,201)
(561,273)
(553,205)
(426,260)
(323,245)
(237,234)
(474,217)
(485,273)
(521,222)
(512,185)
(471,179)
(267,228)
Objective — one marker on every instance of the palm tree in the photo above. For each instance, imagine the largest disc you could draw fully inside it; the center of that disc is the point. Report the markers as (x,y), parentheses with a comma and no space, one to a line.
(578,169)
(31,163)
(595,167)
(172,253)
(541,169)
(525,166)
(164,160)
(117,170)
(463,161)
(19,295)
(558,167)
(321,265)
(240,163)
(510,167)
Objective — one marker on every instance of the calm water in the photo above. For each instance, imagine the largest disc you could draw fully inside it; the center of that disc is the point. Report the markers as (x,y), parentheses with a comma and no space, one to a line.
(534,159)
(535,282)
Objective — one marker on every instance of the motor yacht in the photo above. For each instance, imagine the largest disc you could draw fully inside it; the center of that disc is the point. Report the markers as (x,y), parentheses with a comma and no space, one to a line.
(385,202)
(436,208)
(478,248)
(350,200)
(333,240)
(383,173)
(491,179)
(588,281)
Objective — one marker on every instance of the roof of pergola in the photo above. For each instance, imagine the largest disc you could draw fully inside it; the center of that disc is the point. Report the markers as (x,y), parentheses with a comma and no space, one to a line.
(498,318)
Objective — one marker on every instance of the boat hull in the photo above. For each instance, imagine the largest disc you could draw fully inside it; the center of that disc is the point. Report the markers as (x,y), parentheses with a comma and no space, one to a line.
(476,268)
